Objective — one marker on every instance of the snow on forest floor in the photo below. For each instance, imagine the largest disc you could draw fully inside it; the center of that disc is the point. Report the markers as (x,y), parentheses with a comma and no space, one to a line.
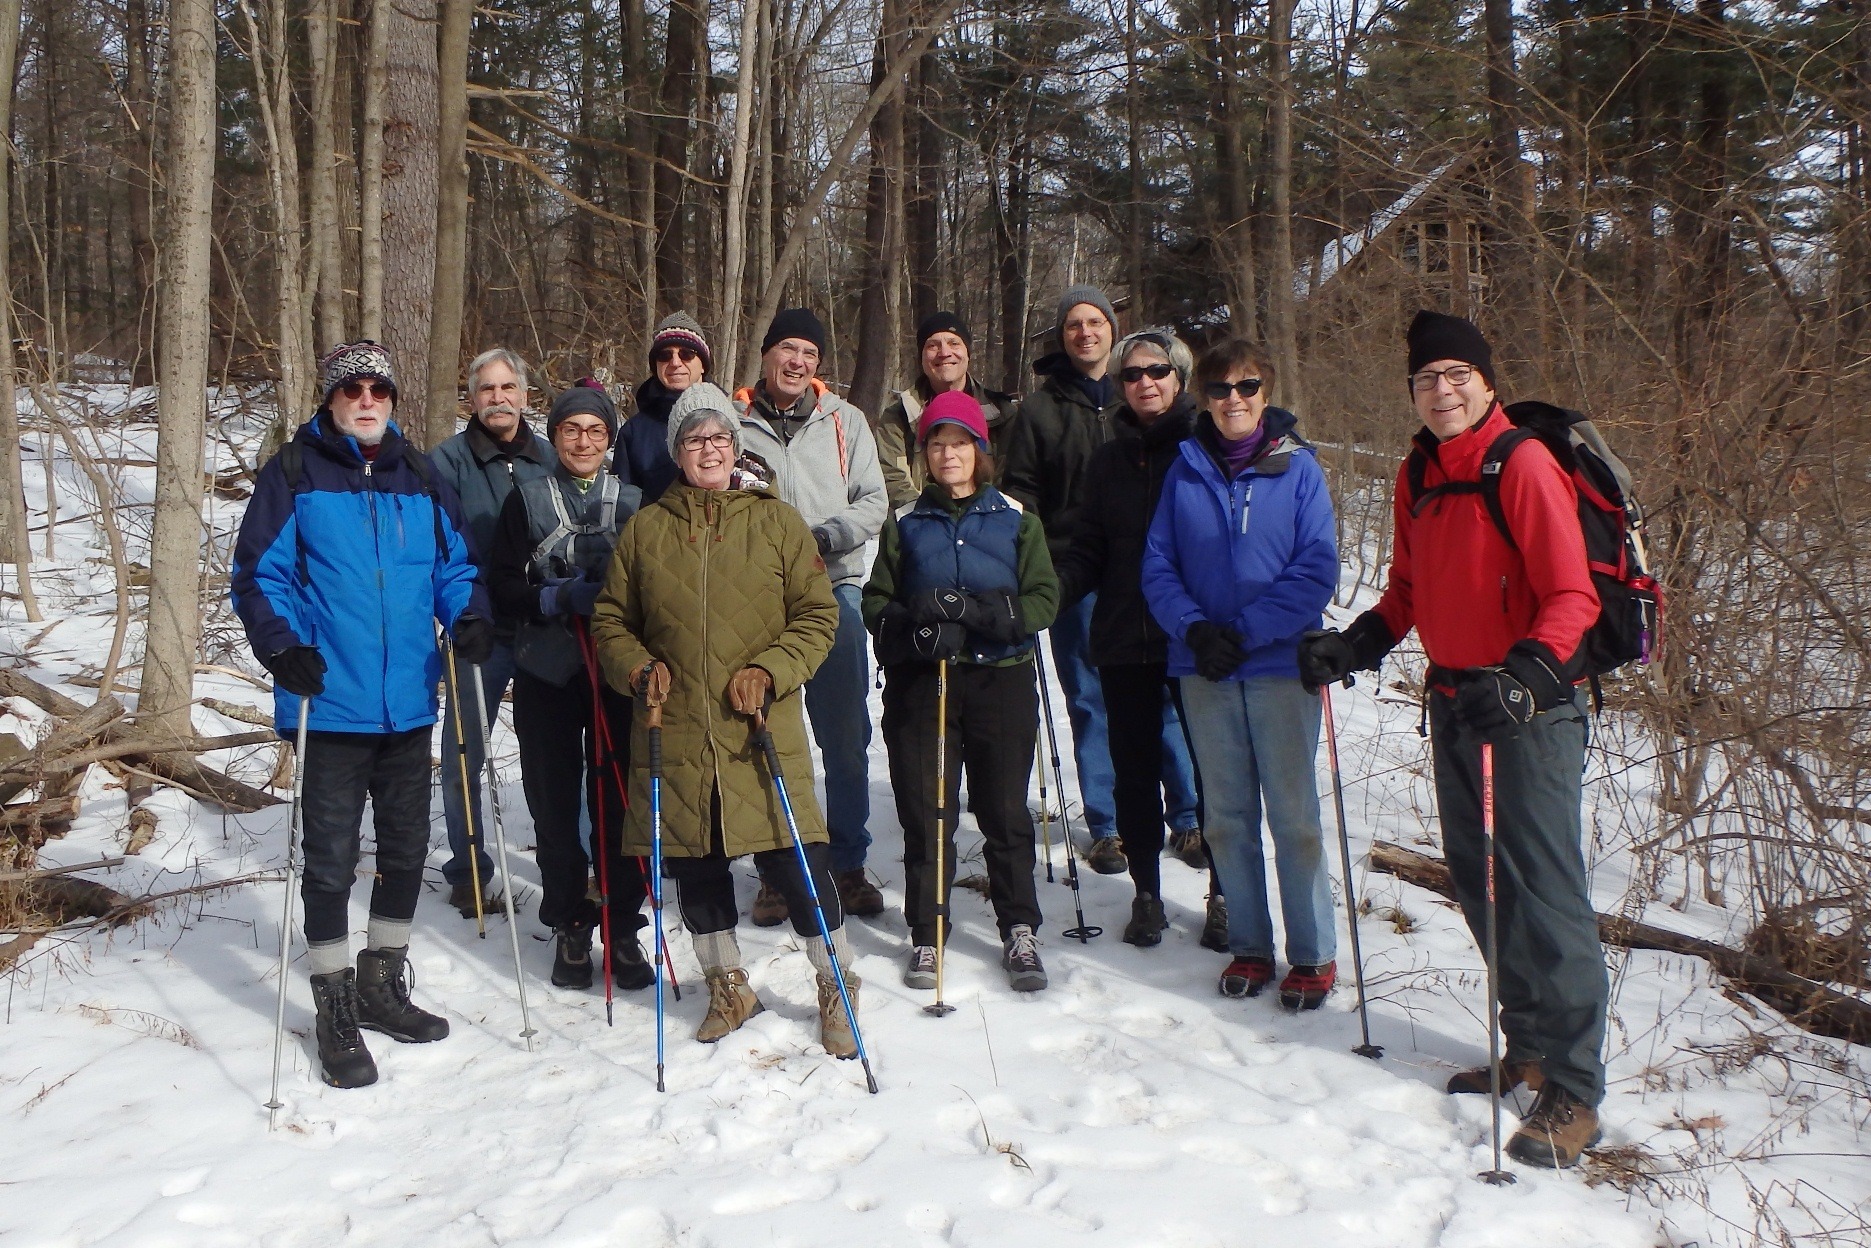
(1129,1104)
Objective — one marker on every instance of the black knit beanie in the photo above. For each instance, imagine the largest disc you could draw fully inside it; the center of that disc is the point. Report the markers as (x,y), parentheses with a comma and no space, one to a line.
(1438,336)
(943,323)
(795,323)
(585,398)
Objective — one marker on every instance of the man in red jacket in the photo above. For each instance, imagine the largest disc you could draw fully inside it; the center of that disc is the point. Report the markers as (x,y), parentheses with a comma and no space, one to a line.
(1501,621)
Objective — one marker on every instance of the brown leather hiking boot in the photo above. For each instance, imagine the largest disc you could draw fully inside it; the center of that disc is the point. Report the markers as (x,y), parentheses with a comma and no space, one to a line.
(730,1003)
(858,894)
(1557,1132)
(769,908)
(834,1028)
(1513,1074)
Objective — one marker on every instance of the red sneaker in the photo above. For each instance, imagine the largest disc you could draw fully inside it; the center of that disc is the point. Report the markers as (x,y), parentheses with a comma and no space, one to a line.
(1245,977)
(1305,987)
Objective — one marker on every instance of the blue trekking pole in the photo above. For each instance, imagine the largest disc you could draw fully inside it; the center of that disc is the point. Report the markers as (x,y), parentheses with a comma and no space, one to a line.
(764,739)
(654,722)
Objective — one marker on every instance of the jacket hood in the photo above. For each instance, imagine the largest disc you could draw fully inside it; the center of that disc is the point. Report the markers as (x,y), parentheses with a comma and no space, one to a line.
(997,405)
(1171,427)
(654,399)
(525,443)
(1281,440)
(321,433)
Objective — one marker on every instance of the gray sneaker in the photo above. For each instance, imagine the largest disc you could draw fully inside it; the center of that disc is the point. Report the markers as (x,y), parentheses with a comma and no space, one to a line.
(1025,972)
(920,973)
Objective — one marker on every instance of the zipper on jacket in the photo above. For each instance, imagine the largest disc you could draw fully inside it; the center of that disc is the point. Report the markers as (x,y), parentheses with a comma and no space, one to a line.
(1503,595)
(383,607)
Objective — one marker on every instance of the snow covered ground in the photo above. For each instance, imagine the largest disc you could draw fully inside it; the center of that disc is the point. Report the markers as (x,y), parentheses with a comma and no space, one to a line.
(1128,1105)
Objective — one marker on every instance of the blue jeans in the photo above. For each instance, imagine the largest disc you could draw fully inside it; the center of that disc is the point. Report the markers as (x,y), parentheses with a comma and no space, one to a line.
(1255,742)
(496,675)
(1091,741)
(838,704)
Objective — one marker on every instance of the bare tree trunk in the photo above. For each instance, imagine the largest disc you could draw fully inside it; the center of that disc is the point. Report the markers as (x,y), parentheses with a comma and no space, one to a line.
(1237,209)
(1133,249)
(679,102)
(450,279)
(142,234)
(875,339)
(14,546)
(327,254)
(411,120)
(926,167)
(1282,331)
(734,225)
(282,159)
(175,544)
(1518,306)
(370,175)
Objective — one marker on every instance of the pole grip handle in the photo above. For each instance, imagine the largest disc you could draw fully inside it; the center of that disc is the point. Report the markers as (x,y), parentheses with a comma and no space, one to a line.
(656,748)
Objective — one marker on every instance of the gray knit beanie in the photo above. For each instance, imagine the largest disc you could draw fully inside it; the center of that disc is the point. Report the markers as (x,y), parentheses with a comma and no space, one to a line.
(1075,295)
(700,402)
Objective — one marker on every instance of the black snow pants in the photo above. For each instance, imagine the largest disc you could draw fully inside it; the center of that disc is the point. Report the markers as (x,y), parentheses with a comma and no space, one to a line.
(341,770)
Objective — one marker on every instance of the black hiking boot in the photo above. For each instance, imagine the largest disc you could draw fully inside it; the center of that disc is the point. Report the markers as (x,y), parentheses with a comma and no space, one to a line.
(383,999)
(571,956)
(1146,925)
(1215,924)
(343,1060)
(629,967)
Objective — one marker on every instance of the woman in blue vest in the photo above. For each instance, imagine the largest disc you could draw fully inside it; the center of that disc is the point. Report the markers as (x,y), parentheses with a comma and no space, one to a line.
(963,575)
(551,547)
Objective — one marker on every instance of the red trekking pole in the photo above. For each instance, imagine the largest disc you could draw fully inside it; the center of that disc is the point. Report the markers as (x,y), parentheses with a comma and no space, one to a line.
(1496,1176)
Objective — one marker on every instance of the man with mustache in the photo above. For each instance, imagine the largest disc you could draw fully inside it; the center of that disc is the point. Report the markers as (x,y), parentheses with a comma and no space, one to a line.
(485,462)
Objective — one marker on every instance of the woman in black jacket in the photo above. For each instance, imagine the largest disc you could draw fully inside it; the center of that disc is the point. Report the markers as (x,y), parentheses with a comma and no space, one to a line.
(1105,556)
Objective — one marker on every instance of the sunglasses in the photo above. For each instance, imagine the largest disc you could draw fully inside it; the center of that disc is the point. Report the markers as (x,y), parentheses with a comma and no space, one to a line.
(354,390)
(1247,388)
(1137,372)
(669,353)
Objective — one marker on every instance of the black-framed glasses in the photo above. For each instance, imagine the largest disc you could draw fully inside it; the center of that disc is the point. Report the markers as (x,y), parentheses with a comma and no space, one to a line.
(1137,372)
(1457,375)
(354,390)
(1219,391)
(715,441)
(666,354)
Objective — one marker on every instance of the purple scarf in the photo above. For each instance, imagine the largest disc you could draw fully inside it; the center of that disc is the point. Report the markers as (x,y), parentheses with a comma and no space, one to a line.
(1236,456)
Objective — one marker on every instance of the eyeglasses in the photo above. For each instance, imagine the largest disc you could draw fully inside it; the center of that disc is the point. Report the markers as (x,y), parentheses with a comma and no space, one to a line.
(669,353)
(714,441)
(1137,372)
(1219,391)
(354,390)
(1460,375)
(585,433)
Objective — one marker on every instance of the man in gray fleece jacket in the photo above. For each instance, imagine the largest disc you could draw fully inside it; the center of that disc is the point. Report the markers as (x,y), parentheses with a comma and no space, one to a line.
(825,460)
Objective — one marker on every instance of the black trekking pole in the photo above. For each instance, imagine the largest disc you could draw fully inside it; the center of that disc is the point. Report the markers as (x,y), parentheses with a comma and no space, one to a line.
(939,1007)
(1084,931)
(1367,1049)
(764,739)
(1045,816)
(491,784)
(273,1104)
(1496,1176)
(467,805)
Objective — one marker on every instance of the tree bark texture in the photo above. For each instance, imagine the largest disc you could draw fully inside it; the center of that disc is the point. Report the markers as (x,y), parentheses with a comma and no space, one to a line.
(678,102)
(450,279)
(327,267)
(1282,330)
(411,123)
(735,225)
(15,547)
(370,173)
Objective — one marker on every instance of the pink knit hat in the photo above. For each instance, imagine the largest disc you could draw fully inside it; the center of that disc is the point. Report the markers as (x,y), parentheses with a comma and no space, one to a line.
(953,407)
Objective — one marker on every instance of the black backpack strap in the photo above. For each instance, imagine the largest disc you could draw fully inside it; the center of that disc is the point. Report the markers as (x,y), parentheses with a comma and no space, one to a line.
(1493,464)
(1415,464)
(292,462)
(425,472)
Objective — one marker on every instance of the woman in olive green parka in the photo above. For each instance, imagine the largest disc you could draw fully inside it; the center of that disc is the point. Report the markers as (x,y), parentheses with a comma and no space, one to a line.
(715,600)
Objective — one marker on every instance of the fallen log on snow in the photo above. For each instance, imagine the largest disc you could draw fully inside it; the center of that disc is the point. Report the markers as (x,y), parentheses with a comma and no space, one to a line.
(1805,1003)
(34,822)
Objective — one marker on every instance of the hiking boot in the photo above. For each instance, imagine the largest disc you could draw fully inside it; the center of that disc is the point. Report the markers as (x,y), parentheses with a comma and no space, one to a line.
(769,909)
(1020,959)
(1306,987)
(1106,856)
(343,1060)
(383,999)
(858,894)
(571,956)
(461,897)
(1215,924)
(1246,977)
(834,1028)
(730,1003)
(1559,1129)
(920,973)
(1475,1082)
(1186,844)
(1146,922)
(628,967)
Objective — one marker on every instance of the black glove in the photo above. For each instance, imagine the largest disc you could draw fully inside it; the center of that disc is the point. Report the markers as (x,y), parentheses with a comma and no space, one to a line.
(552,596)
(299,670)
(474,639)
(938,641)
(822,536)
(581,596)
(1324,656)
(1491,703)
(994,614)
(938,606)
(1217,648)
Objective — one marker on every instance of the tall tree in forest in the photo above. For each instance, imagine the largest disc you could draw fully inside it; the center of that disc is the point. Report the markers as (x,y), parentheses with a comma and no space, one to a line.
(327,266)
(273,93)
(370,161)
(679,103)
(1232,142)
(14,546)
(450,279)
(188,224)
(1282,327)
(735,225)
(1519,306)
(411,126)
(882,254)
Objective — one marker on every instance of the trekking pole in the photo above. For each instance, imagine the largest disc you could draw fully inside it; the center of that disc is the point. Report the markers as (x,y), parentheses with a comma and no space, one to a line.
(764,739)
(500,843)
(1496,1176)
(467,804)
(939,1007)
(653,721)
(273,1105)
(1367,1049)
(1084,931)
(1045,813)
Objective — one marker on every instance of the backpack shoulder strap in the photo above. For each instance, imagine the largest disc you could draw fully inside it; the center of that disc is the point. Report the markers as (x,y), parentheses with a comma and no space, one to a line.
(425,473)
(1415,466)
(1493,464)
(291,458)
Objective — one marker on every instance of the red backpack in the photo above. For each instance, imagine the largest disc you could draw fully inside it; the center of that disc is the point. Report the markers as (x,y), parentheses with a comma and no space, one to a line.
(1630,618)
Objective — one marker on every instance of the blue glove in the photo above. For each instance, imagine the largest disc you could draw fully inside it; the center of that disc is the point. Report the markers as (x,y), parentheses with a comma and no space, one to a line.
(581,596)
(552,596)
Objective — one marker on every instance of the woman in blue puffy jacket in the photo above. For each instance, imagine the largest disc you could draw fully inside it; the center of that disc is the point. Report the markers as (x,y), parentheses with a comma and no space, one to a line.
(1241,559)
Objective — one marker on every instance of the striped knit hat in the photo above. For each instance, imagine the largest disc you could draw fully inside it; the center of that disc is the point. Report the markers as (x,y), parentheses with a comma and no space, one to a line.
(349,361)
(679,329)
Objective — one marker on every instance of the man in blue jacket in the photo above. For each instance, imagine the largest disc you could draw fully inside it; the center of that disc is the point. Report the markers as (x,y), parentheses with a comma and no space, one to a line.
(350,553)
